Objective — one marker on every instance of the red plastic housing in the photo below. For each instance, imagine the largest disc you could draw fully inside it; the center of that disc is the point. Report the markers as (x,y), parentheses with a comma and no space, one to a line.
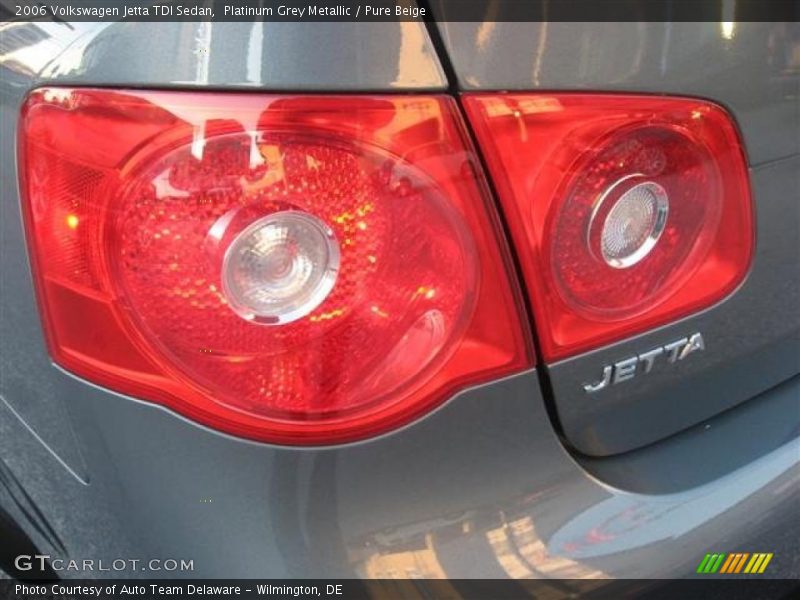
(131,199)
(562,162)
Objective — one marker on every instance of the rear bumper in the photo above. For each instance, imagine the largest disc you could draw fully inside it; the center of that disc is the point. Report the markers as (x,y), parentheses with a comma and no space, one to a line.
(482,488)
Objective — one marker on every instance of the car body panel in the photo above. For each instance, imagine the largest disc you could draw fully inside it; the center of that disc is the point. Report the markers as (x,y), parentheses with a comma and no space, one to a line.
(459,489)
(752,337)
(259,55)
(747,72)
(482,487)
(752,342)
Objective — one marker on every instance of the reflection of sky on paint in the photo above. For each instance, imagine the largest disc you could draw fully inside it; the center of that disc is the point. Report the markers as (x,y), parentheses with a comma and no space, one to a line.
(38,56)
(414,66)
(629,521)
(255,52)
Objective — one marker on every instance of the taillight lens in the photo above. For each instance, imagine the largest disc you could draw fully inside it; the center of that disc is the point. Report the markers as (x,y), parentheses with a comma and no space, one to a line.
(627,211)
(294,269)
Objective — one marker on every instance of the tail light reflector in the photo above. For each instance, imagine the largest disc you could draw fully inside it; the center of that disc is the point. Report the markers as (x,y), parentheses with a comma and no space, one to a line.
(627,211)
(293,269)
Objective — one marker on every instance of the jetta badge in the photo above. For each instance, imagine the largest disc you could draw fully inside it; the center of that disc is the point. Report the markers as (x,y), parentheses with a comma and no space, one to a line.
(628,368)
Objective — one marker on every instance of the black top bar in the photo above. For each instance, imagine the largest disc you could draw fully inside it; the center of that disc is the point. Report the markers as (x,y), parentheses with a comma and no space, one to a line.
(400,10)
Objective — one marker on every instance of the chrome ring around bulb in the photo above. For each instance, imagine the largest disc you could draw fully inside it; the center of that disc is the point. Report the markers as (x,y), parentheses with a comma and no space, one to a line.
(306,301)
(660,209)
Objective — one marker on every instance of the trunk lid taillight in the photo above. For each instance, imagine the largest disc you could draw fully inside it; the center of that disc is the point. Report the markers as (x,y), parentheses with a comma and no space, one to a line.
(627,212)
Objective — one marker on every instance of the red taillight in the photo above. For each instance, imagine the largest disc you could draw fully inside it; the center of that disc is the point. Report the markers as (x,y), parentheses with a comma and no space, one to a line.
(297,269)
(627,211)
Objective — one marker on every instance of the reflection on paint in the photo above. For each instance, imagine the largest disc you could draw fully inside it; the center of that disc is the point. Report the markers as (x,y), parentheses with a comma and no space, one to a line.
(511,543)
(414,64)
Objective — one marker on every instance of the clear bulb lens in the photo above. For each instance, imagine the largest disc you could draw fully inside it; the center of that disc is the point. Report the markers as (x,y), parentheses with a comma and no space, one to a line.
(280,268)
(634,224)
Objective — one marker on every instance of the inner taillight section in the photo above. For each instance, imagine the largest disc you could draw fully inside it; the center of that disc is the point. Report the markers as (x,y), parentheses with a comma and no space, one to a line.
(627,211)
(293,269)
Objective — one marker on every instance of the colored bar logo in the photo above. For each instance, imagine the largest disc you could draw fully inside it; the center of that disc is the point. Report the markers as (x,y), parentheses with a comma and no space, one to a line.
(737,562)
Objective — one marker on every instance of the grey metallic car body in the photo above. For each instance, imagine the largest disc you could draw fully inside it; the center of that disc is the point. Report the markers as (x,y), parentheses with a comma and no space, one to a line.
(484,486)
